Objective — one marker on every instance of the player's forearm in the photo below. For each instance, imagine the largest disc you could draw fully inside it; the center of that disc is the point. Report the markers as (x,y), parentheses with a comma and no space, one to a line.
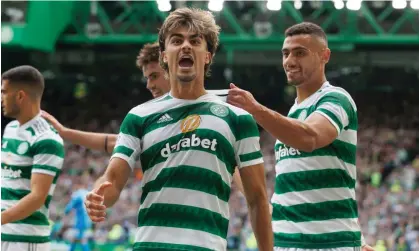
(112,193)
(261,223)
(90,140)
(289,131)
(23,209)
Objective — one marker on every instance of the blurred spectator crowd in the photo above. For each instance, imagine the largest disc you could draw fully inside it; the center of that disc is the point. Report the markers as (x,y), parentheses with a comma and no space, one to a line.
(387,188)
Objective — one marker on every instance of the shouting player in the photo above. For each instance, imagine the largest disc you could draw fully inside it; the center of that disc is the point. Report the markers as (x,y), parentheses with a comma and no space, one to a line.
(314,204)
(188,143)
(31,159)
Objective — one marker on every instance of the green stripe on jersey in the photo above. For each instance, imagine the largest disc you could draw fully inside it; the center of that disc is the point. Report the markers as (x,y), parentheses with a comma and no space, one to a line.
(327,210)
(17,194)
(318,241)
(314,179)
(123,150)
(189,177)
(24,238)
(250,156)
(48,146)
(160,246)
(36,218)
(180,216)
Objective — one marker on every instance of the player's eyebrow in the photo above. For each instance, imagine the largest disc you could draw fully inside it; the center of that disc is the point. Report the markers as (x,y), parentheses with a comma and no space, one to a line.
(181,36)
(294,49)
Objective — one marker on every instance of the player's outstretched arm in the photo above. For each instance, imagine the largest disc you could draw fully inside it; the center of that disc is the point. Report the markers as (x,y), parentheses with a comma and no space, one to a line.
(107,189)
(91,140)
(40,185)
(315,132)
(254,185)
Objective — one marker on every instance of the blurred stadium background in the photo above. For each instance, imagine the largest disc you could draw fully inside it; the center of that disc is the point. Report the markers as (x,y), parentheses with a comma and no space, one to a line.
(87,50)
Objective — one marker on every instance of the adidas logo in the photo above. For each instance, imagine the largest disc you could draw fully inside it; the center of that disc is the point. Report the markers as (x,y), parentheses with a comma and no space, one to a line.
(165,118)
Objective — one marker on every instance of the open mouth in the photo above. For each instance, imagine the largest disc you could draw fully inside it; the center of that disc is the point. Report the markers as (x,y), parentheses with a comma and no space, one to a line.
(186,62)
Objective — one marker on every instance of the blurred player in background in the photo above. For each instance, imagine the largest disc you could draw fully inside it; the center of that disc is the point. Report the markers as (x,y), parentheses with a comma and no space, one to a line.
(82,222)
(188,143)
(32,156)
(314,204)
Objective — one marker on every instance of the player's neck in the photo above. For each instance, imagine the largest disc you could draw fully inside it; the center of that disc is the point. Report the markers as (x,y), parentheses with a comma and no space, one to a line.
(191,90)
(306,90)
(28,113)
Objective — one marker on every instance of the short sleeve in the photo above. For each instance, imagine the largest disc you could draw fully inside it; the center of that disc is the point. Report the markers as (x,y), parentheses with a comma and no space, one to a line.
(247,146)
(127,145)
(337,108)
(48,156)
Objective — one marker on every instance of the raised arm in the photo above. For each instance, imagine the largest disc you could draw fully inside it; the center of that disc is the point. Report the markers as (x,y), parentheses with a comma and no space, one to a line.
(97,141)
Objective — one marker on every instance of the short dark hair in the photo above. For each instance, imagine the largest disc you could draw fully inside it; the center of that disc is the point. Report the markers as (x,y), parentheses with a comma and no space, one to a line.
(28,76)
(148,54)
(306,28)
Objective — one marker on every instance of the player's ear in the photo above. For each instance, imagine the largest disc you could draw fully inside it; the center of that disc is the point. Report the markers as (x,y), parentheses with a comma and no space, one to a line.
(326,55)
(208,57)
(163,55)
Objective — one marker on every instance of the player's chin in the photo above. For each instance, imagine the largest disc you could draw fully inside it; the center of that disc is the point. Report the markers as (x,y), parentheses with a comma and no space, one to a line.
(186,78)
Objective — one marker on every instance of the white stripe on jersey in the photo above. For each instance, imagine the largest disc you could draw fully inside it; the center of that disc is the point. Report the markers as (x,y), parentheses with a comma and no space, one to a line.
(316,227)
(25,229)
(315,196)
(180,236)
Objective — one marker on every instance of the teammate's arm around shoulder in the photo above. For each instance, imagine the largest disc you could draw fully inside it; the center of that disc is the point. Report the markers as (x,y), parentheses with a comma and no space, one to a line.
(252,173)
(97,141)
(108,187)
(48,158)
(334,111)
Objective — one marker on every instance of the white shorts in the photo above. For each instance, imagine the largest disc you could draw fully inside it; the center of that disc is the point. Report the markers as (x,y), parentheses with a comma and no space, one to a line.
(25,246)
(325,249)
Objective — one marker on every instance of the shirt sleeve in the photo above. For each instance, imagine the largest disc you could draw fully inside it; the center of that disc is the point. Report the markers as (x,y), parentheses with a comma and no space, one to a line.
(337,108)
(247,146)
(48,156)
(127,145)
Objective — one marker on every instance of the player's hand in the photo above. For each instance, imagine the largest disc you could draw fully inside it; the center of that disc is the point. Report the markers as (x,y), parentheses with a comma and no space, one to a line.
(243,99)
(367,248)
(94,203)
(54,122)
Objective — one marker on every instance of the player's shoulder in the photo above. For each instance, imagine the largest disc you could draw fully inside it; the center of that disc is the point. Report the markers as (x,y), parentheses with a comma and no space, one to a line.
(337,92)
(14,124)
(152,106)
(41,130)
